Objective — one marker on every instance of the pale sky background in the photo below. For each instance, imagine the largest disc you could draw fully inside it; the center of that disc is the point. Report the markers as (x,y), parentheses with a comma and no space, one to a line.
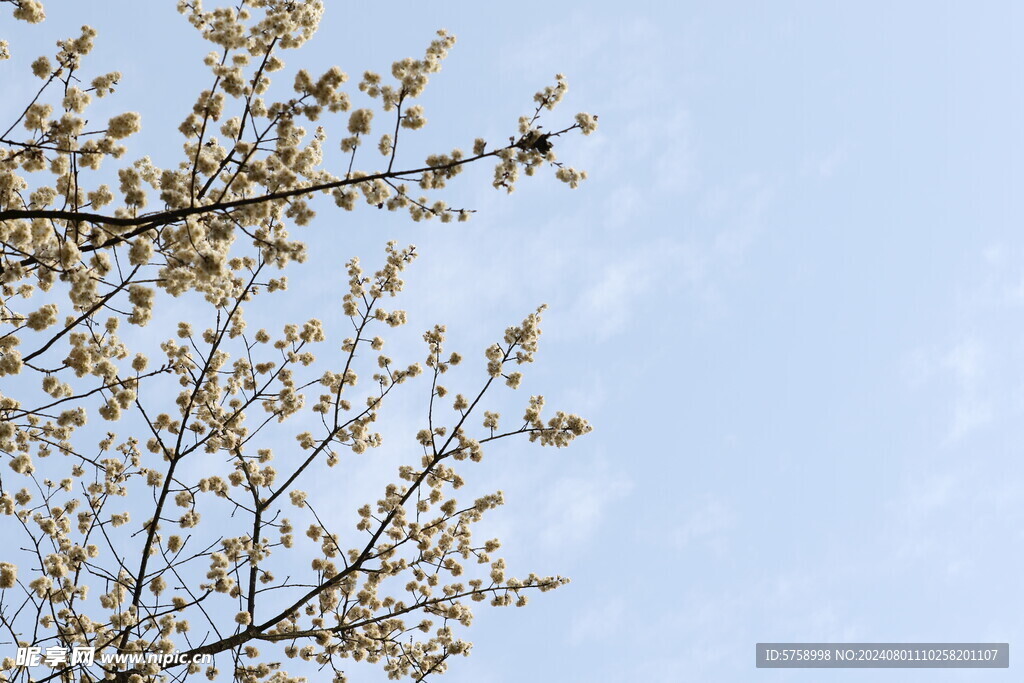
(790,298)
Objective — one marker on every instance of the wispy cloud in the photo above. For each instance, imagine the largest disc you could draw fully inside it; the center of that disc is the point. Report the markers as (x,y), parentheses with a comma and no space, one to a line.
(707,521)
(964,366)
(577,505)
(599,621)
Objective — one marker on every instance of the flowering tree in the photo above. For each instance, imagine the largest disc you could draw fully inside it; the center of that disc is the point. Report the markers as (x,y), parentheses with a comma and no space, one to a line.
(166,525)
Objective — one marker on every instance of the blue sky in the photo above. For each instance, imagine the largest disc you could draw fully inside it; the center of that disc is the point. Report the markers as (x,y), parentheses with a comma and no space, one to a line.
(790,298)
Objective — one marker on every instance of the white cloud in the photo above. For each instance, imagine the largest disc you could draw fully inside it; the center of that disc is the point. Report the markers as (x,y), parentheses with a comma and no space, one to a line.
(966,366)
(971,410)
(659,269)
(926,497)
(598,621)
(970,413)
(607,305)
(707,521)
(828,165)
(966,360)
(576,505)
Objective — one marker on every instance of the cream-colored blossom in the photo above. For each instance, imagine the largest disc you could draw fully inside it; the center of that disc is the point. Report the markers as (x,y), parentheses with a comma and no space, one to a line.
(359,121)
(123,125)
(8,575)
(41,67)
(586,122)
